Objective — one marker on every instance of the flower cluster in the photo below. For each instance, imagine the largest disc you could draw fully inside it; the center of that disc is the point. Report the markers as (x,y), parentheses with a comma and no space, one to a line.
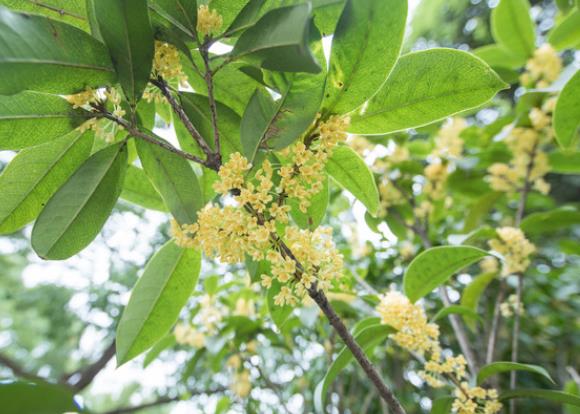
(166,62)
(436,175)
(315,260)
(208,21)
(188,335)
(514,247)
(511,306)
(529,162)
(543,68)
(241,385)
(417,335)
(448,143)
(250,227)
(390,195)
(489,264)
(303,176)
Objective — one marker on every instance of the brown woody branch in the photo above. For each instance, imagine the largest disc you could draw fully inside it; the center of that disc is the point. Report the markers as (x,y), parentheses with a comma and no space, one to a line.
(17,369)
(88,374)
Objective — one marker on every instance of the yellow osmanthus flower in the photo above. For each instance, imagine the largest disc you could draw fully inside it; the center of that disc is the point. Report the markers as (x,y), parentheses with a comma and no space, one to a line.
(241,385)
(543,68)
(360,144)
(417,335)
(187,335)
(406,250)
(245,307)
(390,195)
(210,314)
(514,247)
(448,143)
(511,306)
(528,162)
(208,21)
(104,129)
(166,62)
(436,175)
(489,264)
(83,99)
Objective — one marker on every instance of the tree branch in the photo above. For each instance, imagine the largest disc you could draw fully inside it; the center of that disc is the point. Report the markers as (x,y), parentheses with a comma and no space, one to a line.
(88,374)
(17,369)
(386,394)
(212,103)
(178,109)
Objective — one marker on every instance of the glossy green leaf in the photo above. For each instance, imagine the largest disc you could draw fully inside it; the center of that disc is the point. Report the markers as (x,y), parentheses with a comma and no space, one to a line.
(502,366)
(564,162)
(279,314)
(351,172)
(36,398)
(367,338)
(228,9)
(174,179)
(499,56)
(315,212)
(49,56)
(425,87)
(72,12)
(137,189)
(156,300)
(75,214)
(197,109)
(166,342)
(126,30)
(567,114)
(279,41)
(366,45)
(179,13)
(473,291)
(513,28)
(479,210)
(550,395)
(35,174)
(254,125)
(549,221)
(435,266)
(442,405)
(567,33)
(455,310)
(32,118)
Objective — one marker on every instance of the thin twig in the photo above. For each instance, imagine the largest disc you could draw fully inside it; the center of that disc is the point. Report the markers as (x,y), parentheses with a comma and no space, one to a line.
(17,369)
(385,392)
(178,109)
(61,12)
(88,374)
(495,324)
(212,103)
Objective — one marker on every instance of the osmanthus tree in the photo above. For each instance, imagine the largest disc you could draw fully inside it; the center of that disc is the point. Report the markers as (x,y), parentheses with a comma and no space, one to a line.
(262,118)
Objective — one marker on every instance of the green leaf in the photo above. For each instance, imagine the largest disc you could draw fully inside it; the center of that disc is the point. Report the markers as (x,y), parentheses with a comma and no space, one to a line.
(366,44)
(540,223)
(513,28)
(567,33)
(126,30)
(254,126)
(137,189)
(499,56)
(179,13)
(36,398)
(567,114)
(367,339)
(351,172)
(166,342)
(564,162)
(32,118)
(228,9)
(278,124)
(174,179)
(72,12)
(35,174)
(49,56)
(473,291)
(479,210)
(435,266)
(279,314)
(197,109)
(315,212)
(455,310)
(156,300)
(75,214)
(279,41)
(498,367)
(425,87)
(442,405)
(550,395)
